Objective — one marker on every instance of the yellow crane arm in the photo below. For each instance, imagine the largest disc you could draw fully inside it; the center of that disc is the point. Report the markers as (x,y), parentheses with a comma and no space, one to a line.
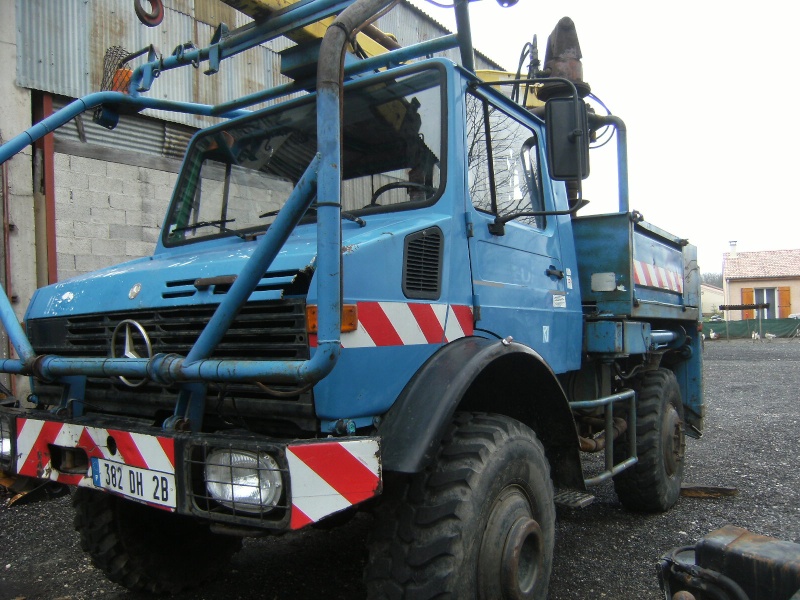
(258,10)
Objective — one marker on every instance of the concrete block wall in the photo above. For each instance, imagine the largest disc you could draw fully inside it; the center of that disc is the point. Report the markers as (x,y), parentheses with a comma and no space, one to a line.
(106,213)
(15,117)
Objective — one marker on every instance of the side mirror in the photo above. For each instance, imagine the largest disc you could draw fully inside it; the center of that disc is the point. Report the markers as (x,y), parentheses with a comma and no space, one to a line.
(567,138)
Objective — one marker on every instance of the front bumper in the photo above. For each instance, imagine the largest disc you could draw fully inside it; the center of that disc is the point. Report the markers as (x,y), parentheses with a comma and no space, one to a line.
(165,469)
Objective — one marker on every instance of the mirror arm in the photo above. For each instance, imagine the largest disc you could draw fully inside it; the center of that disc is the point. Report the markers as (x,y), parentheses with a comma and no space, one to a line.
(498,227)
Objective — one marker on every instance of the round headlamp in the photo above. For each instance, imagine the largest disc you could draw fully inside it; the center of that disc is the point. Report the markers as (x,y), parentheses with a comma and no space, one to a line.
(243,480)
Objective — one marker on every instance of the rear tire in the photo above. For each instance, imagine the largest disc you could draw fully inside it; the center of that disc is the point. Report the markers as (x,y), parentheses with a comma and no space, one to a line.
(146,549)
(654,483)
(477,524)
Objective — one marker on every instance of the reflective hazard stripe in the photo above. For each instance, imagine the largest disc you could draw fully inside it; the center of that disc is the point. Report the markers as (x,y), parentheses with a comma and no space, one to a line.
(329,477)
(405,324)
(658,277)
(35,437)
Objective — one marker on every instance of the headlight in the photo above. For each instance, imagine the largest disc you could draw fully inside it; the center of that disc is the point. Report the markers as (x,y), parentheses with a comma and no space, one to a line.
(6,442)
(244,481)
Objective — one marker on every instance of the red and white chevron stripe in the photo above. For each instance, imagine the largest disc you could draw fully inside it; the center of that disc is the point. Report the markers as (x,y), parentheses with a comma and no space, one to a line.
(658,277)
(331,476)
(34,438)
(406,323)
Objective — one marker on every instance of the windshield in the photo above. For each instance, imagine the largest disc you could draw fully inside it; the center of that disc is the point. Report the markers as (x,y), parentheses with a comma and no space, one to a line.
(237,177)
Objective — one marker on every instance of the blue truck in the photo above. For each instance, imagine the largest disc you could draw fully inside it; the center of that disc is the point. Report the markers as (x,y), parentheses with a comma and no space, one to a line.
(376,295)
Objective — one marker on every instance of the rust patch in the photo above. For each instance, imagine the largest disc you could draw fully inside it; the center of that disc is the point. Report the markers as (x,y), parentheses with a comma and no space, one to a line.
(42,471)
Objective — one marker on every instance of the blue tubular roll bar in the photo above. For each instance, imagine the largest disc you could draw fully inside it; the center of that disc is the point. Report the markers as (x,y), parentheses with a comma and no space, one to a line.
(622,155)
(226,45)
(226,110)
(322,179)
(81,105)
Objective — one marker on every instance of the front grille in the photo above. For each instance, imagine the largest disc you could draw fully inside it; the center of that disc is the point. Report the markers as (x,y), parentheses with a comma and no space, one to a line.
(273,330)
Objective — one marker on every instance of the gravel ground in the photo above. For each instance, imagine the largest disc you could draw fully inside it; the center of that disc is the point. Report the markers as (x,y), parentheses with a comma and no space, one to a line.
(751,442)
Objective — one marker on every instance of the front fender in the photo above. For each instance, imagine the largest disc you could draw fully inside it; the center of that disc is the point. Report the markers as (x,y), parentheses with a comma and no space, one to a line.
(482,375)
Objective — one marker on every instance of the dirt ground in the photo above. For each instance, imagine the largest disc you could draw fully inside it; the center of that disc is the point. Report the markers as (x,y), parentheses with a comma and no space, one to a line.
(751,442)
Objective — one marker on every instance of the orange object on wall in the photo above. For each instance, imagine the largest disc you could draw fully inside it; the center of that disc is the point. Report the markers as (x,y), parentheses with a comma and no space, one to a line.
(784,302)
(748,297)
(122,78)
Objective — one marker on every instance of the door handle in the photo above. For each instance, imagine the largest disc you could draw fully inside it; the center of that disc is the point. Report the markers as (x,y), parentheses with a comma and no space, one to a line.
(553,272)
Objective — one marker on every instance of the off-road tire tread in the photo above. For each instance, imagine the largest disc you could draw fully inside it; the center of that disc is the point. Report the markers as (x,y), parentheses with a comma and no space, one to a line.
(645,487)
(415,545)
(184,558)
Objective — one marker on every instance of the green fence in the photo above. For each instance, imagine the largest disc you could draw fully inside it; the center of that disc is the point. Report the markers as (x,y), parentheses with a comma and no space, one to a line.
(783,328)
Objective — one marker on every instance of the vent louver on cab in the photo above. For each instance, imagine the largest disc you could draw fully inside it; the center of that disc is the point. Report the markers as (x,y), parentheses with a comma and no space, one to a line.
(422,264)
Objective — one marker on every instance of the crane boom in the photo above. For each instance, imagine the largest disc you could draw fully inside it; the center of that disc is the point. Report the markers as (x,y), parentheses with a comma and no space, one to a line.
(371,41)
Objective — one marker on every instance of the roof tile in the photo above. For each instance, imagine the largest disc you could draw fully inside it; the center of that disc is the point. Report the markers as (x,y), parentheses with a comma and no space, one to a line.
(761,265)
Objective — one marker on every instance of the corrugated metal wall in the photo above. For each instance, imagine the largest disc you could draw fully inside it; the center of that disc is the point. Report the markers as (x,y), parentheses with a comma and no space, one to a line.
(135,133)
(411,25)
(62,44)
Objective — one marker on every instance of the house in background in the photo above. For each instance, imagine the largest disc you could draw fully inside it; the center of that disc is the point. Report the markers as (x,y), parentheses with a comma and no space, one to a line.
(762,277)
(710,298)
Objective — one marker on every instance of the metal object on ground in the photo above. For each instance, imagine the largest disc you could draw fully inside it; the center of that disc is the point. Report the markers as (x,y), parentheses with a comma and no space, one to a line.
(732,563)
(28,488)
(693,490)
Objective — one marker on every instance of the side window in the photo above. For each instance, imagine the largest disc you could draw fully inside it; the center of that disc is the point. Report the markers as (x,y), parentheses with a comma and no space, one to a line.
(503,163)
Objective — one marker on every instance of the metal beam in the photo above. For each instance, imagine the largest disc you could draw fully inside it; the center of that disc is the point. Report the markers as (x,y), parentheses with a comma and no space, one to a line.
(262,10)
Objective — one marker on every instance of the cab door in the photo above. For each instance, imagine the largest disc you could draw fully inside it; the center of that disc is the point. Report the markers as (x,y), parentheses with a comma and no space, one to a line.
(519,282)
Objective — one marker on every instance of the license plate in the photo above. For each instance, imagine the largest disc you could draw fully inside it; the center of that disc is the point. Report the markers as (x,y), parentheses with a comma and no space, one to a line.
(146,485)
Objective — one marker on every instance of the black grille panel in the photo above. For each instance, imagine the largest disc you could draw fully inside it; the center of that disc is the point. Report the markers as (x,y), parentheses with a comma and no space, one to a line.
(269,330)
(422,265)
(273,330)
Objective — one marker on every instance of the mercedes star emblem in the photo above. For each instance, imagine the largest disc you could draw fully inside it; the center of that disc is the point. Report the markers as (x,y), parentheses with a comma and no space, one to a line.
(130,340)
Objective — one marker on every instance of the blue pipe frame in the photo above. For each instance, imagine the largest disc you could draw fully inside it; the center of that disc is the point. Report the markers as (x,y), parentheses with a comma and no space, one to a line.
(322,179)
(228,110)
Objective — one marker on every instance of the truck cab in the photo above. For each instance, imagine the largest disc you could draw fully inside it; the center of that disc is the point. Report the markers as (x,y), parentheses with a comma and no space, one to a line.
(374,294)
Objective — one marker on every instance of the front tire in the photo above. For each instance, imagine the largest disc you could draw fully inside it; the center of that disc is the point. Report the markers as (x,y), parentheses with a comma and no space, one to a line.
(654,483)
(478,523)
(146,549)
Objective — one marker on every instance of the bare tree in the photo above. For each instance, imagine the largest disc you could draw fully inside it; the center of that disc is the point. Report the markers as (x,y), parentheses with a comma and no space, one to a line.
(714,279)
(502,161)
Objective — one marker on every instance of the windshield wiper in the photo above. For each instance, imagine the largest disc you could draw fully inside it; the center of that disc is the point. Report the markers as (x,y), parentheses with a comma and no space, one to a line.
(345,215)
(217,223)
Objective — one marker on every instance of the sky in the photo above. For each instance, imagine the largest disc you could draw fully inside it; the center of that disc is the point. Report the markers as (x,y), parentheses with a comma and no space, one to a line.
(708,91)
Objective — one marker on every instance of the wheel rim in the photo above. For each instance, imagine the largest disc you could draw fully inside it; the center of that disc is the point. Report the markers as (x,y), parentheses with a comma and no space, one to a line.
(512,549)
(673,439)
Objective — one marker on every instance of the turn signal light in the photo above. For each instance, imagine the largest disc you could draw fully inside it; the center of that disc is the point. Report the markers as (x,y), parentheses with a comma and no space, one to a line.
(349,318)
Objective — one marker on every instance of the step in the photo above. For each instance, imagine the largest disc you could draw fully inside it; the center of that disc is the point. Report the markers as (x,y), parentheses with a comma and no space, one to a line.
(572,498)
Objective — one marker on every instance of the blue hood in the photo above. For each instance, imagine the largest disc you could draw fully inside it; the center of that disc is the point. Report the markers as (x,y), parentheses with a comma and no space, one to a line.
(168,278)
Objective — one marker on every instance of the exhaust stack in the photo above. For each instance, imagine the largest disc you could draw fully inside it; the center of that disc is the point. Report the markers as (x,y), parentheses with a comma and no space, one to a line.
(563,59)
